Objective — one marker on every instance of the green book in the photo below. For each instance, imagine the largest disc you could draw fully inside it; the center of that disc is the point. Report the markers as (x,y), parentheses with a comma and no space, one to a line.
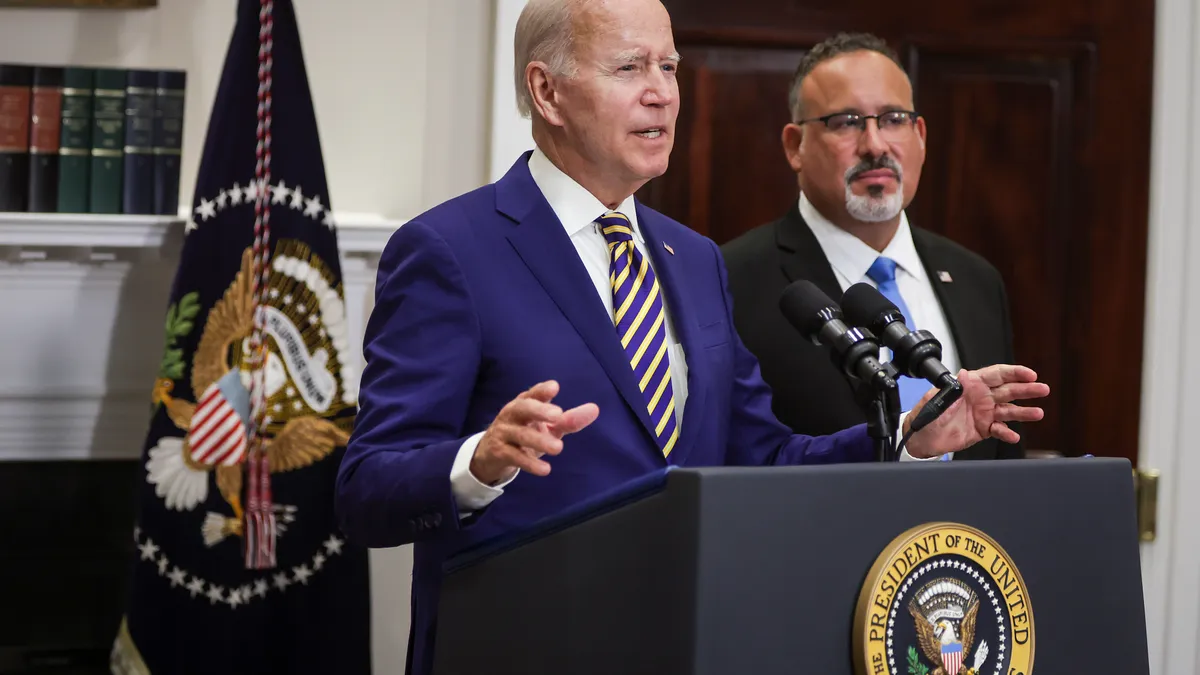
(75,144)
(108,141)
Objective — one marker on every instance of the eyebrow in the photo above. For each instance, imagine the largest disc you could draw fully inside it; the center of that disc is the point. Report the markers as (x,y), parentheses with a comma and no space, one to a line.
(852,110)
(635,55)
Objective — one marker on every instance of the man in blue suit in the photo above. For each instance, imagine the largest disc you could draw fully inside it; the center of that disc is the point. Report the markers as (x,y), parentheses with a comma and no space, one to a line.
(541,339)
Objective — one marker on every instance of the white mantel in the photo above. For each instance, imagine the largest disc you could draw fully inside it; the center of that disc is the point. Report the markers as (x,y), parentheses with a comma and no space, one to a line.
(83,299)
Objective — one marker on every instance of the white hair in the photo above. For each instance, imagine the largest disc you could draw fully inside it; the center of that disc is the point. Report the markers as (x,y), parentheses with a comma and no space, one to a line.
(870,208)
(543,34)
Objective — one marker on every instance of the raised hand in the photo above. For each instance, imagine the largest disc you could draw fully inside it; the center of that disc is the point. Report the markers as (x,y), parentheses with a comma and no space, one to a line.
(981,412)
(525,429)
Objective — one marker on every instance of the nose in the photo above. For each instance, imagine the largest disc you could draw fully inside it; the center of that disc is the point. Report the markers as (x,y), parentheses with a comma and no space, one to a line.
(870,141)
(659,92)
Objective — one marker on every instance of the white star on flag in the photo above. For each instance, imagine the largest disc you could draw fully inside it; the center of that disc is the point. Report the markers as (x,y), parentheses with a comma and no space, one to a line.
(328,221)
(216,594)
(176,576)
(297,198)
(334,545)
(222,196)
(206,209)
(312,207)
(148,550)
(196,587)
(235,195)
(302,574)
(279,193)
(281,581)
(252,192)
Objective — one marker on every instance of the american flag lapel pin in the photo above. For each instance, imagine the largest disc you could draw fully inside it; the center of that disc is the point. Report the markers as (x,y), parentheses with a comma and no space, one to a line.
(944,277)
(668,247)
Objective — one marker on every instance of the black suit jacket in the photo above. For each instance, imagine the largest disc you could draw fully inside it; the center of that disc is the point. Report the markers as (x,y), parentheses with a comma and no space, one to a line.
(810,395)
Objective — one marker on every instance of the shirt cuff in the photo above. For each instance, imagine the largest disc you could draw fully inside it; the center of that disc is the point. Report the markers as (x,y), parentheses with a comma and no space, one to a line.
(470,495)
(904,456)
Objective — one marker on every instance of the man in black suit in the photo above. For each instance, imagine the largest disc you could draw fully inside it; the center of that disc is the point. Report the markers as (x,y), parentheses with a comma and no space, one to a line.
(857,148)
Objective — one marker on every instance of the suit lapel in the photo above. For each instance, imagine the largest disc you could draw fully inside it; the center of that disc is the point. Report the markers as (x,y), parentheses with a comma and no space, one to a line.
(543,245)
(669,267)
(955,303)
(801,255)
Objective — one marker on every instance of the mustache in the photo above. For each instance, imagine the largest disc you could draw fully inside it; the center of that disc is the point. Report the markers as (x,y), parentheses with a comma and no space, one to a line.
(868,164)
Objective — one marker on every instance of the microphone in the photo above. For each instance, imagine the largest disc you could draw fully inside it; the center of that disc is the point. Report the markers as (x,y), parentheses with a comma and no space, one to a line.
(917,354)
(854,350)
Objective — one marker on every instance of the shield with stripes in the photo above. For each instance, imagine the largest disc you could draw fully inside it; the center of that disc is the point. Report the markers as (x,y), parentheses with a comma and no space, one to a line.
(220,423)
(952,657)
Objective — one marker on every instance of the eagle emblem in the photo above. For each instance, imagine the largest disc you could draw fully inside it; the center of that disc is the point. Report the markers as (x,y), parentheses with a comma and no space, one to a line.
(945,611)
(308,378)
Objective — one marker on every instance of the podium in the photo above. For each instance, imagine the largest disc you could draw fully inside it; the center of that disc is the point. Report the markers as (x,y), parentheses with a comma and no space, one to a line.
(967,567)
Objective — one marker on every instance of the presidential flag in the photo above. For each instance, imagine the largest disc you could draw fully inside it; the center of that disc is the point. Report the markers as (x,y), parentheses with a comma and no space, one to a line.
(239,566)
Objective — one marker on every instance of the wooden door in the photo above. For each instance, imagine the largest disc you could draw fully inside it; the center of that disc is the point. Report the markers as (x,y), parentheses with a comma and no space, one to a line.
(1038,158)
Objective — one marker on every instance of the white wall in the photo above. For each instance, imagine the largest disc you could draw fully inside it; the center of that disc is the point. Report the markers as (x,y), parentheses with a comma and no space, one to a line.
(1171,365)
(402,94)
(511,133)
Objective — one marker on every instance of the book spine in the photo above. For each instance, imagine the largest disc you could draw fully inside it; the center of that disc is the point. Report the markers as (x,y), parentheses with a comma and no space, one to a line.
(44,139)
(75,146)
(168,140)
(16,92)
(138,181)
(108,141)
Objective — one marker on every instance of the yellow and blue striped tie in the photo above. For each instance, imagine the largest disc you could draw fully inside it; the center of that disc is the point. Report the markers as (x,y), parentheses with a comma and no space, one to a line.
(640,321)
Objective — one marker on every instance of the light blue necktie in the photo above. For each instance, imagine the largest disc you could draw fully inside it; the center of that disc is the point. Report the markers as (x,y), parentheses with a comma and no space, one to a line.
(883,273)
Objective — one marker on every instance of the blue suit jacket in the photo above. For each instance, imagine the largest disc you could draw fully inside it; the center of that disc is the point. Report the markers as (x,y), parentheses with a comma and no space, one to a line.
(481,298)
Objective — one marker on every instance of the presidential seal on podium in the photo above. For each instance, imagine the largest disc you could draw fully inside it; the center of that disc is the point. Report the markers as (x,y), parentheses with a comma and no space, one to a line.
(943,599)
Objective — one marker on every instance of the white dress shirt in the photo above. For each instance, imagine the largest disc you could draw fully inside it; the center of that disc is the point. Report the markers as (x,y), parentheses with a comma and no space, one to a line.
(850,259)
(577,210)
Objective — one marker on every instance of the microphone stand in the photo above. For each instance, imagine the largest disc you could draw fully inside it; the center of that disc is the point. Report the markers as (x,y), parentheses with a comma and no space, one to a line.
(879,398)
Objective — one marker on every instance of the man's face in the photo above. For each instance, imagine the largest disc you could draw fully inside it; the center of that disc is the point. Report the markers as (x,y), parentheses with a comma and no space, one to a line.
(866,174)
(618,112)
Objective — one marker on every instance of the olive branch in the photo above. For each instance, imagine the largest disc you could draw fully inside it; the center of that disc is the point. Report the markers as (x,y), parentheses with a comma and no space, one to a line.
(915,667)
(179,324)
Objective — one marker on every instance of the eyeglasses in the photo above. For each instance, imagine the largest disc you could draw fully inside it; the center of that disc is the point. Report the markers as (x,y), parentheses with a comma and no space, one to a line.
(892,124)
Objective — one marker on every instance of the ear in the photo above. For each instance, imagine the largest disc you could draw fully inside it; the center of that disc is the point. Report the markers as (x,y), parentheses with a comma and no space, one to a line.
(792,137)
(543,88)
(921,131)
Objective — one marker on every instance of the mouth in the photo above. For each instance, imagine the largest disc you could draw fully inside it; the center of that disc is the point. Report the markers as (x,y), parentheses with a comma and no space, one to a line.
(651,132)
(876,174)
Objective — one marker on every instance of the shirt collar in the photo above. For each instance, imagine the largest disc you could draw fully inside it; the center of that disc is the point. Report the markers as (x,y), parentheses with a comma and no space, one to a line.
(575,207)
(850,256)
